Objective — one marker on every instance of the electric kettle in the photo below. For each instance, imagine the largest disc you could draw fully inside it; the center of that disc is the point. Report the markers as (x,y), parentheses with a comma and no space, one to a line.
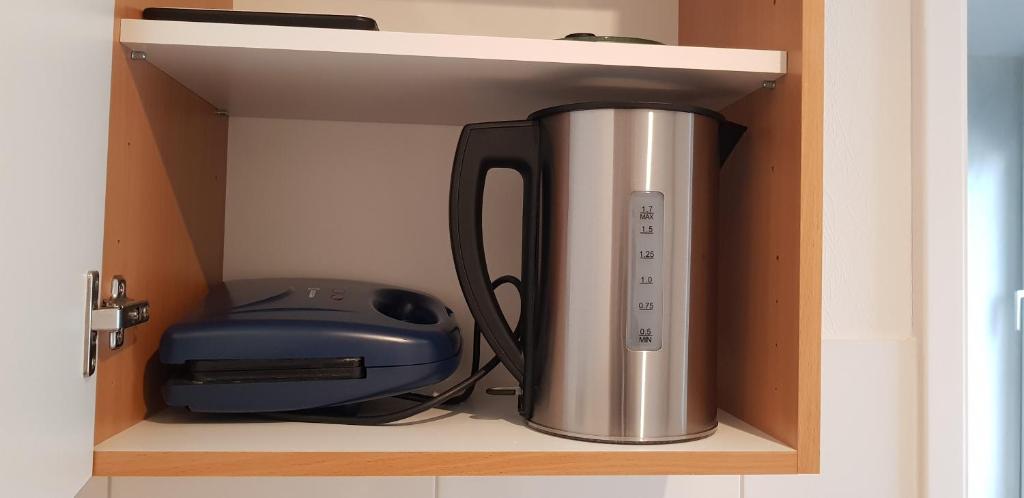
(618,291)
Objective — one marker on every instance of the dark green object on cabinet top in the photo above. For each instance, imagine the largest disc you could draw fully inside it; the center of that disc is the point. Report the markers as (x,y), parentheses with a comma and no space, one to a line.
(591,37)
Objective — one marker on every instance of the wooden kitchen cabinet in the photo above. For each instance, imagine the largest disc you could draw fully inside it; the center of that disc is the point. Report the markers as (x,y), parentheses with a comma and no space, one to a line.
(176,87)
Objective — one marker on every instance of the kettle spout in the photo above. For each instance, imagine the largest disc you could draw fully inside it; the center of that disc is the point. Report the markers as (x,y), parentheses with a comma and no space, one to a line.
(729,135)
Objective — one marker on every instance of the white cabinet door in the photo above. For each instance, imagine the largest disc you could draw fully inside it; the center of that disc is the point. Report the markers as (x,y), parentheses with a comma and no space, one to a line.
(55,58)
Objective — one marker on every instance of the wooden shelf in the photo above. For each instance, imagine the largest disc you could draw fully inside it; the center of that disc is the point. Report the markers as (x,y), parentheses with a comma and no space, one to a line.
(306,73)
(486,439)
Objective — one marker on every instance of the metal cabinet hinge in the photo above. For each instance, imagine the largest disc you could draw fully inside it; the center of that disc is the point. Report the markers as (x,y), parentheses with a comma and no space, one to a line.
(112,315)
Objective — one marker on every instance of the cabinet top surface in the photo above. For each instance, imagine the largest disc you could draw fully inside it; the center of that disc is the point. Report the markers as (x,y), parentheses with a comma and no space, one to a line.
(349,75)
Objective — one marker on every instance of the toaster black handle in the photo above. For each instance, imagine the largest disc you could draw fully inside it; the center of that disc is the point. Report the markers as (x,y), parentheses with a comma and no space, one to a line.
(483,147)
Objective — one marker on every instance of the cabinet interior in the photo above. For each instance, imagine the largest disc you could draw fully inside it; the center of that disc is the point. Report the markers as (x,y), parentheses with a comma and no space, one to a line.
(195,197)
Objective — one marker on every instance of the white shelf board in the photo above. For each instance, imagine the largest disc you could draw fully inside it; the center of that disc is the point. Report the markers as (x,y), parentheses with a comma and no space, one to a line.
(348,75)
(493,427)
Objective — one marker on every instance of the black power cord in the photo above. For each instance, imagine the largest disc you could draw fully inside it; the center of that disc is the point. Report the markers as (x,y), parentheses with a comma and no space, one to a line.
(454,395)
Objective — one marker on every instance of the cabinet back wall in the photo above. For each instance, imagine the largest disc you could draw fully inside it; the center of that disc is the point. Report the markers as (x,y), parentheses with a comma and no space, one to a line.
(364,201)
(654,19)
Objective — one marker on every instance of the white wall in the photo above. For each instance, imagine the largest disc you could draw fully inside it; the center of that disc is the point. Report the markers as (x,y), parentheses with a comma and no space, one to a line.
(869,372)
(867,283)
(362,201)
(994,212)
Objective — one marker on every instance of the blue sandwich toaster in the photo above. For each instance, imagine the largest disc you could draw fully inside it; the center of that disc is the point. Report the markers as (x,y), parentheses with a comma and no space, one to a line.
(277,345)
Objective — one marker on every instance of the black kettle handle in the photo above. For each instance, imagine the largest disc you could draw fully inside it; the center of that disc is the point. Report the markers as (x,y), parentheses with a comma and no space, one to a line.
(484,146)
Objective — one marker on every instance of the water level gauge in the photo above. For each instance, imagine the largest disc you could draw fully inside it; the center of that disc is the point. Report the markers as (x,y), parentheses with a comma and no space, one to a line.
(646,223)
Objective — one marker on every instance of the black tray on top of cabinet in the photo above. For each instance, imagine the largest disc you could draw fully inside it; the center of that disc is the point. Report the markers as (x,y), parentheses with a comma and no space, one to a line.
(264,18)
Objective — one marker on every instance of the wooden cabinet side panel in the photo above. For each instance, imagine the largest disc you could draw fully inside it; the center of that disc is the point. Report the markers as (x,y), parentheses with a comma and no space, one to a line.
(811,246)
(769,342)
(164,223)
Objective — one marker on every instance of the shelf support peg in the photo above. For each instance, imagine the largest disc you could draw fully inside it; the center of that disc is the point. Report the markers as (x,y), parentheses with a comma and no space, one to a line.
(138,55)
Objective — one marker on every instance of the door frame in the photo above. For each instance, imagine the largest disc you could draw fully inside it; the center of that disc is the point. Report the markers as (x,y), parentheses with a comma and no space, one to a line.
(939,150)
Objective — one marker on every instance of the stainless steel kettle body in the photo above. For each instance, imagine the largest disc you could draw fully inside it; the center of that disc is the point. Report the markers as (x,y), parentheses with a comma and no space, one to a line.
(619,268)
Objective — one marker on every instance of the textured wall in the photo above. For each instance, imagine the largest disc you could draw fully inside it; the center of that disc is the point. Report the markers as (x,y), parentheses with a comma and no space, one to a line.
(867,282)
